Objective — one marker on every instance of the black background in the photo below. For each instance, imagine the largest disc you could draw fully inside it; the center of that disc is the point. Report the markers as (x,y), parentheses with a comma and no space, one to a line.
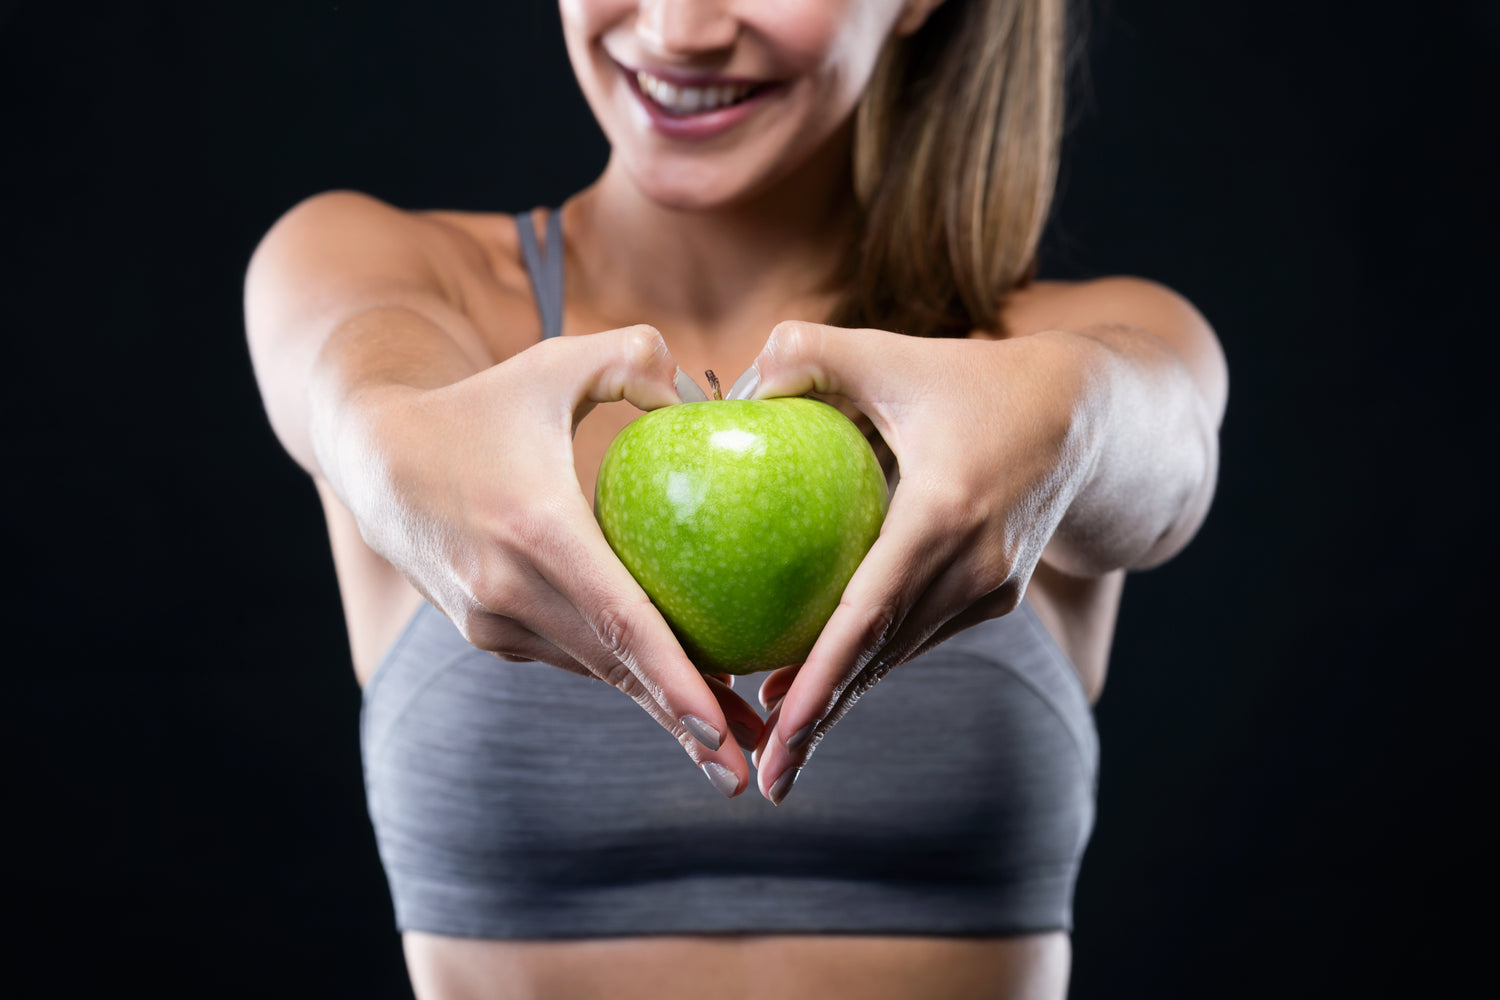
(1293,731)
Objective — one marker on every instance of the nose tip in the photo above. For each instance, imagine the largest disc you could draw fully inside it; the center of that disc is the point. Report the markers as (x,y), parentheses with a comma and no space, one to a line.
(686,27)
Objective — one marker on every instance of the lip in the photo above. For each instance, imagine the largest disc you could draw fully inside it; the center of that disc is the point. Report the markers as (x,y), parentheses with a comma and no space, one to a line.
(681,78)
(703,125)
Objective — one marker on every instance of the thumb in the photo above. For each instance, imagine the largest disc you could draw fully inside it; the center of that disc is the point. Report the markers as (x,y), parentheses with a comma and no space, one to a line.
(631,363)
(801,357)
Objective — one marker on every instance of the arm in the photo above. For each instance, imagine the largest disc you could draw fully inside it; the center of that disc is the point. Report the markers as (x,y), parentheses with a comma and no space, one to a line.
(1088,444)
(1150,405)
(343,293)
(459,470)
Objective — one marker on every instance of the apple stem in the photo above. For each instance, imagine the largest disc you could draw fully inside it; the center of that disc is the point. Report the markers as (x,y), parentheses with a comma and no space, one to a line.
(713,381)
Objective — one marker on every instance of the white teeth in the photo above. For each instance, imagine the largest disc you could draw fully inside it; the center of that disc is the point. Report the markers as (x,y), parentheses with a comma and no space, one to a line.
(688,100)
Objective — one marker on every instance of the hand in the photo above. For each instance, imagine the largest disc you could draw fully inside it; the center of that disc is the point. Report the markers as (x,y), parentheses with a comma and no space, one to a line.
(470,491)
(993,440)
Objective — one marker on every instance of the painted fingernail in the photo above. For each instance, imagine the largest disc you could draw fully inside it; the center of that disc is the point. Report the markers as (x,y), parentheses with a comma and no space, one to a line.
(744,387)
(721,778)
(799,739)
(783,785)
(743,735)
(687,390)
(703,732)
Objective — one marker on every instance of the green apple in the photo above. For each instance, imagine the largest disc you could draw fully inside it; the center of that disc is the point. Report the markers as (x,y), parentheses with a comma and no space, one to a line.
(743,521)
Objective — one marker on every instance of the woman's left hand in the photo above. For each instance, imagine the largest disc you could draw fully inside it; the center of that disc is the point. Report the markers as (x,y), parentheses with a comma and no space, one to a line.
(993,439)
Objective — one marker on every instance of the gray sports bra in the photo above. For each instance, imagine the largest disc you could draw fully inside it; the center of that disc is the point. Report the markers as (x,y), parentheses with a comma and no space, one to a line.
(516,800)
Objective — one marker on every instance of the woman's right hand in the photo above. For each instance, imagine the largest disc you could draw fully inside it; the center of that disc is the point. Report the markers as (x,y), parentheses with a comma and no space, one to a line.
(469,490)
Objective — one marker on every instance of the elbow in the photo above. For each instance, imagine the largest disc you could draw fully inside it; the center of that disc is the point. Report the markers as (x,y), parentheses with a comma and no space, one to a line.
(1199,477)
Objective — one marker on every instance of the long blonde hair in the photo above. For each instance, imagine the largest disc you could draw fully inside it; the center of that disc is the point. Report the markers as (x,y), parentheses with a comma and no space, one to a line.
(956,147)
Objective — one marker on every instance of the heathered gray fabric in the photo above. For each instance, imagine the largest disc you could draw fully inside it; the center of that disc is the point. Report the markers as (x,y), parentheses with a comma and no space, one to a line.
(546,273)
(516,800)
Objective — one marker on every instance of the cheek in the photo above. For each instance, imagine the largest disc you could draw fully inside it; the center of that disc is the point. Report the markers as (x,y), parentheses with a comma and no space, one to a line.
(592,15)
(803,33)
(584,23)
(835,44)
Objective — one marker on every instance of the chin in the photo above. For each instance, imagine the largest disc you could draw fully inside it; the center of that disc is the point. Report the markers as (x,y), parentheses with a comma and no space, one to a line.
(694,187)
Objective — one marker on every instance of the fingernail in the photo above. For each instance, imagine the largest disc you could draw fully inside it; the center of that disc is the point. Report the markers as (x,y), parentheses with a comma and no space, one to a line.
(743,735)
(783,785)
(687,390)
(702,731)
(721,778)
(799,739)
(744,387)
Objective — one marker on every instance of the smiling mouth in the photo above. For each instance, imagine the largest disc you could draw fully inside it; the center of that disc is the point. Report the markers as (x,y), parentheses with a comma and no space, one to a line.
(683,101)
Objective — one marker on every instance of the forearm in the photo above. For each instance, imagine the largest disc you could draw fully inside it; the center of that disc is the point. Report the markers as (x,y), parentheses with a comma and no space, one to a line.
(370,360)
(1148,455)
(345,293)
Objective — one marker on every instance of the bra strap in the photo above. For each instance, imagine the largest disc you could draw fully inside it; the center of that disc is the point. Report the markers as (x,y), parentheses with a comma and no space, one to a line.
(546,273)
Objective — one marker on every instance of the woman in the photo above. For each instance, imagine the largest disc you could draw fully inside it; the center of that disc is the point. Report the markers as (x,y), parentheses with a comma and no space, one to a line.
(831,196)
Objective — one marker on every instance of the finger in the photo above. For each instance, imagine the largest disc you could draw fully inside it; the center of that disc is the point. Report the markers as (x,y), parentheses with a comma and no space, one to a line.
(774,758)
(776,684)
(744,723)
(924,626)
(951,603)
(899,568)
(801,358)
(888,583)
(705,717)
(612,627)
(930,622)
(509,640)
(770,727)
(566,377)
(631,364)
(971,590)
(980,612)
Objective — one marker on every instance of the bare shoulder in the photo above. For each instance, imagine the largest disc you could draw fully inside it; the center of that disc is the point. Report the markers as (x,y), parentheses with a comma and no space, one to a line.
(1069,305)
(339,251)
(1126,301)
(491,276)
(349,231)
(487,244)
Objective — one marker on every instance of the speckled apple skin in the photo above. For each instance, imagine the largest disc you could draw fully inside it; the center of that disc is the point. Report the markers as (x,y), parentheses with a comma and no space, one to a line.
(743,521)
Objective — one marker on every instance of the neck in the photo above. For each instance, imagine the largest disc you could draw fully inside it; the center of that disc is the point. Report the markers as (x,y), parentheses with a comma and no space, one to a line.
(700,272)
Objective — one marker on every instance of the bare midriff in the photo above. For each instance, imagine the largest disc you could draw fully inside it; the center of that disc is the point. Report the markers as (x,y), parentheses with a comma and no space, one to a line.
(742,968)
